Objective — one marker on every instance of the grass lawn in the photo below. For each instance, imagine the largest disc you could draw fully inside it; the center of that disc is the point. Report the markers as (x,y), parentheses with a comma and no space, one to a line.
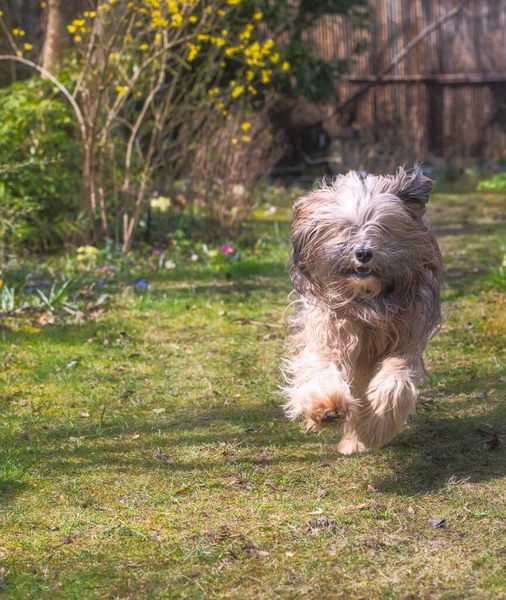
(144,454)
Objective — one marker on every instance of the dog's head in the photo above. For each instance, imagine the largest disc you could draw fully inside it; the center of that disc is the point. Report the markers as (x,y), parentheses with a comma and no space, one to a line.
(356,239)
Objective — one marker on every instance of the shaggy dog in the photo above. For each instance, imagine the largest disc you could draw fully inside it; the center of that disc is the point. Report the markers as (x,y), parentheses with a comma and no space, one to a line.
(367,271)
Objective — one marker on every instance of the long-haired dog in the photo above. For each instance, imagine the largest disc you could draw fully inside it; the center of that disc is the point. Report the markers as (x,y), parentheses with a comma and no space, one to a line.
(367,272)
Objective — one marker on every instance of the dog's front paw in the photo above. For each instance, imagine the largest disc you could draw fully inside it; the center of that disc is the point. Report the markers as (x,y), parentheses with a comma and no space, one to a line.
(327,404)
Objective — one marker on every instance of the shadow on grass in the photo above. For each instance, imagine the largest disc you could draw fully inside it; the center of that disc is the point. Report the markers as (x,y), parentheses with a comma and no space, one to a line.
(228,440)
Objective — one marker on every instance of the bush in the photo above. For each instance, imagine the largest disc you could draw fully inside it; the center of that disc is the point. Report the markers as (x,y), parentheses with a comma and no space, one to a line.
(229,164)
(496,183)
(39,167)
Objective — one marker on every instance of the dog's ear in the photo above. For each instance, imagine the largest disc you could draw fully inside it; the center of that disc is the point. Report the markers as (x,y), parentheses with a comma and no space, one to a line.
(298,274)
(301,232)
(414,188)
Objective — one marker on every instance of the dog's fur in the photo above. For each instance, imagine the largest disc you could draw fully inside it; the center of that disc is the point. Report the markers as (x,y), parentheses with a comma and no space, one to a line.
(358,333)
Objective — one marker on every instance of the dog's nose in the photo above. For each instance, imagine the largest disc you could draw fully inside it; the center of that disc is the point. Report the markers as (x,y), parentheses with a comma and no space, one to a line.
(363,254)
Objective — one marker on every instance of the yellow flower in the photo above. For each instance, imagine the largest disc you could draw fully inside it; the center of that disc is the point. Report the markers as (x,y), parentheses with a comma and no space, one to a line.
(233,2)
(214,91)
(1,280)
(194,50)
(77,38)
(93,14)
(87,250)
(28,46)
(266,76)
(221,105)
(193,19)
(234,141)
(225,113)
(285,66)
(258,16)
(18,32)
(245,126)
(122,90)
(1,15)
(221,13)
(223,64)
(274,58)
(114,56)
(43,4)
(252,90)
(138,94)
(144,47)
(246,138)
(237,91)
(250,75)
(177,20)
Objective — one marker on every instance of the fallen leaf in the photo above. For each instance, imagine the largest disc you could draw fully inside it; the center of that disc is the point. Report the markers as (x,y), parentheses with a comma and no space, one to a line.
(437,523)
(373,505)
(67,540)
(85,415)
(158,411)
(73,439)
(493,443)
(323,523)
(322,494)
(159,455)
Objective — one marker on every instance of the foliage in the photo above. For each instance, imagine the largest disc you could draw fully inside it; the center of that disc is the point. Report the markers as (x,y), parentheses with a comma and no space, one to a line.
(494,183)
(39,167)
(497,275)
(146,79)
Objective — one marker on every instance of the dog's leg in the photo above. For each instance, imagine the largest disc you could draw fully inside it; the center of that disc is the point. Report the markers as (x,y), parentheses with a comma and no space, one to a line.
(323,399)
(390,398)
(350,443)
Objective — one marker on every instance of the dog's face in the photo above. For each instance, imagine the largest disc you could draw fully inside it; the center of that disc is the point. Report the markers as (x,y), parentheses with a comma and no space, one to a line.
(355,239)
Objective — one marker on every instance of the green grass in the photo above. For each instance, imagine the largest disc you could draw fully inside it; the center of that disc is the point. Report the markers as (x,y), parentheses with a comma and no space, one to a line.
(159,465)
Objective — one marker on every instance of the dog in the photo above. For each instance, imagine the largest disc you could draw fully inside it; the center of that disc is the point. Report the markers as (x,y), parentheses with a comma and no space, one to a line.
(367,271)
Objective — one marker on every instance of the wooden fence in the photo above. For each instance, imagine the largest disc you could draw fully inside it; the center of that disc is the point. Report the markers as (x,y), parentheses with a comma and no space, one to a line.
(445,101)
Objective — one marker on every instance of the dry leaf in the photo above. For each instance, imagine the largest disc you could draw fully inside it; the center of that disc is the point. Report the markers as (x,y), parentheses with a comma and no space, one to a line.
(437,523)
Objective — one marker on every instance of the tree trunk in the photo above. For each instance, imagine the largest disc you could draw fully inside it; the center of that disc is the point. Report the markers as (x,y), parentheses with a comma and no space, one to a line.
(57,37)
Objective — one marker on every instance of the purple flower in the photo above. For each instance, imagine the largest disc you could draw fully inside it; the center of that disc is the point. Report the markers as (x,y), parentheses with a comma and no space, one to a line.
(157,252)
(101,268)
(194,256)
(226,250)
(142,284)
(279,240)
(30,290)
(236,256)
(101,283)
